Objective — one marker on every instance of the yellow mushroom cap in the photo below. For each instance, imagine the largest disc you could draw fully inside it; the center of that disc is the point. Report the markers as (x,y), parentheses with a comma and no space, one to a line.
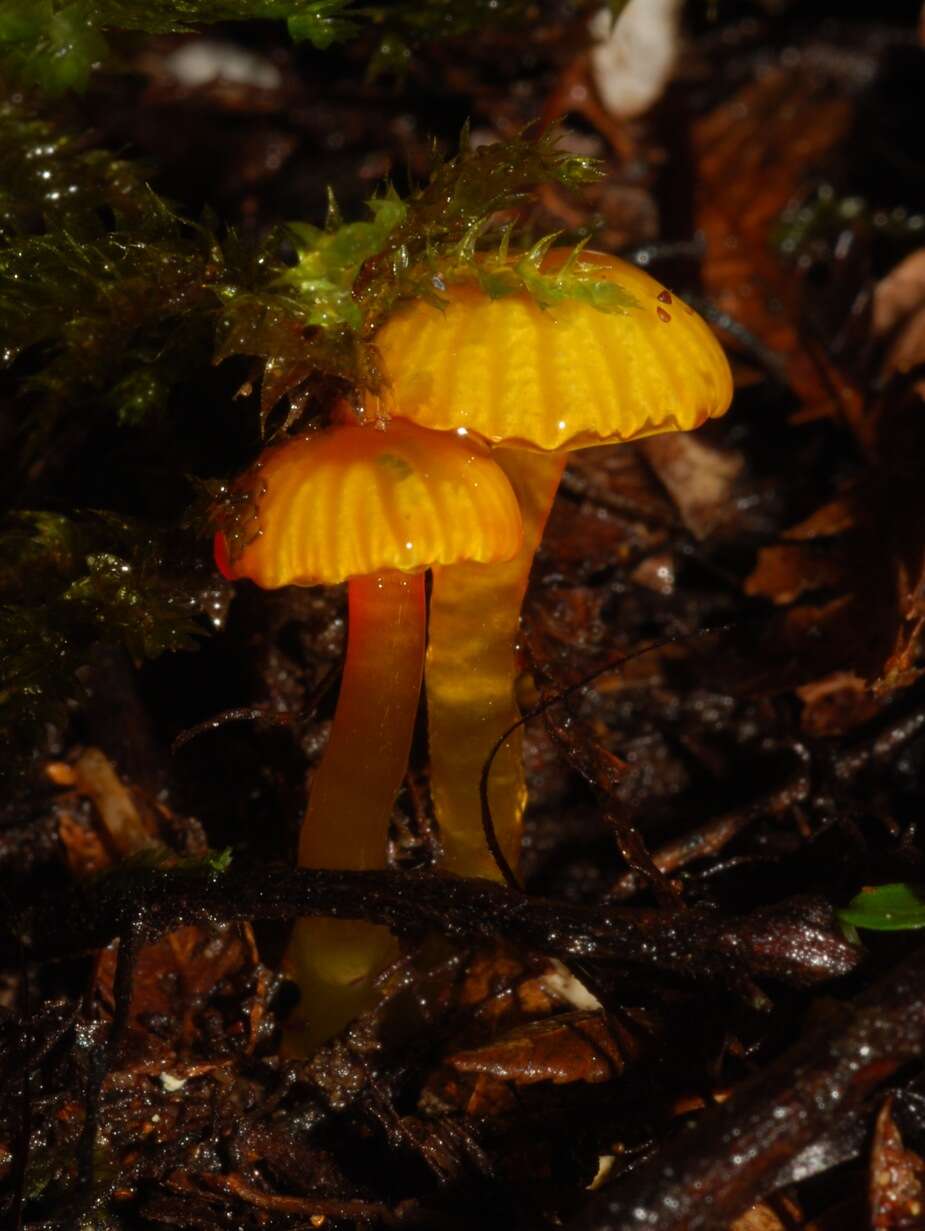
(561,377)
(354,500)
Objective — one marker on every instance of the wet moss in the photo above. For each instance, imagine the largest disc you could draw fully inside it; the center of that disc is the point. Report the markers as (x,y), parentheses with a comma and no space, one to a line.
(56,44)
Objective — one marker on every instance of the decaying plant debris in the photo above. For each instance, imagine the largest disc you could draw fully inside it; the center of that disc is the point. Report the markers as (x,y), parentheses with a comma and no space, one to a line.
(668,1027)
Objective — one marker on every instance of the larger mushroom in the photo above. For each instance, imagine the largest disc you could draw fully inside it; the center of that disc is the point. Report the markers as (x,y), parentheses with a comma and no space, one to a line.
(536,382)
(375,508)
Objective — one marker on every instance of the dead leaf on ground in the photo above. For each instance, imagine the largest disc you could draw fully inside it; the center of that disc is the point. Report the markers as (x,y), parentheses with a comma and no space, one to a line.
(836,704)
(123,823)
(758,1218)
(897,1176)
(787,571)
(501,990)
(829,520)
(513,1032)
(174,979)
(867,541)
(84,849)
(570,1047)
(699,478)
(899,310)
(753,153)
(899,294)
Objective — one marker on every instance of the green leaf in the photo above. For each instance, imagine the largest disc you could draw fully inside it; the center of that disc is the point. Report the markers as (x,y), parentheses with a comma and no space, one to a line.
(888,908)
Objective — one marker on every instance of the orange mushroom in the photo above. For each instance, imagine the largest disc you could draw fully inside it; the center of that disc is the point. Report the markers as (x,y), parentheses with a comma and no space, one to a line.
(537,382)
(375,508)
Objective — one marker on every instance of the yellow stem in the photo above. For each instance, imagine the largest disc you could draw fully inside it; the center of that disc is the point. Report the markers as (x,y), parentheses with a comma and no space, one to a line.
(471,672)
(353,792)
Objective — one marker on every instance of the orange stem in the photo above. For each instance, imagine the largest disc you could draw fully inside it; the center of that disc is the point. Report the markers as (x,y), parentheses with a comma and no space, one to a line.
(471,673)
(353,792)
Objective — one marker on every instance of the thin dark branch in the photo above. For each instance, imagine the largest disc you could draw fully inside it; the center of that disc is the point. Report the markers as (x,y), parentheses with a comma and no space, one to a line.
(553,698)
(106,1050)
(796,941)
(21,1150)
(706,1178)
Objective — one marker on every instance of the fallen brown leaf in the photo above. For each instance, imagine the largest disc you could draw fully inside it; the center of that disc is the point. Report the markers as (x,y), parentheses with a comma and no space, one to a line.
(84,849)
(899,294)
(570,1047)
(758,1218)
(787,571)
(899,310)
(897,1174)
(123,825)
(699,478)
(752,155)
(836,704)
(174,978)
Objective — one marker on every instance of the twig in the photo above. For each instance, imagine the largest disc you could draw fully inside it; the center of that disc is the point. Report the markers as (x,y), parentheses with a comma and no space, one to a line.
(704,1179)
(24,1136)
(309,1207)
(106,1051)
(797,941)
(711,837)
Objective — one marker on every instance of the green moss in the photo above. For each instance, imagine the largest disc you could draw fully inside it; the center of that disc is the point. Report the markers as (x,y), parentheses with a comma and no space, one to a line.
(55,44)
(329,260)
(319,317)
(813,224)
(50,180)
(436,233)
(68,582)
(50,44)
(403,25)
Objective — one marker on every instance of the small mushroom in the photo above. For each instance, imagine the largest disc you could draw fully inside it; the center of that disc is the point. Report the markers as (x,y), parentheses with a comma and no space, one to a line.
(536,382)
(375,508)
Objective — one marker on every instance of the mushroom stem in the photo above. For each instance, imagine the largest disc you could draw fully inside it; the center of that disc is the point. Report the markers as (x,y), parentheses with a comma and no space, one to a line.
(353,792)
(471,673)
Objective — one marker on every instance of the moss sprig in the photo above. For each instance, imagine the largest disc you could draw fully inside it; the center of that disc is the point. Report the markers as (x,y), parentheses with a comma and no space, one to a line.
(117,299)
(70,581)
(52,179)
(55,45)
(403,25)
(450,228)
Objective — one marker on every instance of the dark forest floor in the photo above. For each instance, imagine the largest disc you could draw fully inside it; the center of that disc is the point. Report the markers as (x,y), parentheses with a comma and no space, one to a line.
(748,756)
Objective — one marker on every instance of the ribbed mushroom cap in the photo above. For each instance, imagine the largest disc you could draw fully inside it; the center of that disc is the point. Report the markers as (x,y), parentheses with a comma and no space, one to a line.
(357,500)
(560,377)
